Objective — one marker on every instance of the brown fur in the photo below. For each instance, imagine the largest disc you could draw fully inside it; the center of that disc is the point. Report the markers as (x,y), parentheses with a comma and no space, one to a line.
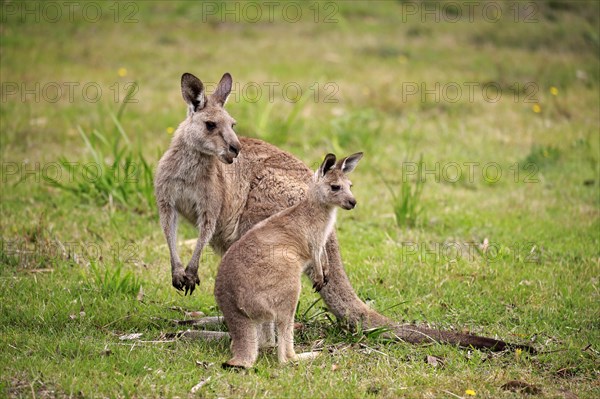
(258,281)
(224,200)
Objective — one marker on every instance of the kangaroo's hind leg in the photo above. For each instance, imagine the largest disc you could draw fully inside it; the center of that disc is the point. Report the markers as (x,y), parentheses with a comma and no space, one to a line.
(285,330)
(266,335)
(285,340)
(244,341)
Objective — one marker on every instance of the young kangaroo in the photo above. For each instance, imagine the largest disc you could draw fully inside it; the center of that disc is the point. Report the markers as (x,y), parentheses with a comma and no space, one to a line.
(258,280)
(198,179)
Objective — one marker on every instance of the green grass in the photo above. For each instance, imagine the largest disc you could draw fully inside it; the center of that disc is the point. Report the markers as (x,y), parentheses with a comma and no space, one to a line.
(407,201)
(115,175)
(75,252)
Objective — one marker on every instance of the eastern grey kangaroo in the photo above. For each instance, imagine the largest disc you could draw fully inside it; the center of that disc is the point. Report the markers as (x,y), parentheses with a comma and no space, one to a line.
(258,280)
(198,178)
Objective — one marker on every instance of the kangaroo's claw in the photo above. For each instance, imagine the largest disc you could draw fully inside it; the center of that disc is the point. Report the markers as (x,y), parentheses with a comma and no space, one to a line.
(191,281)
(233,367)
(317,286)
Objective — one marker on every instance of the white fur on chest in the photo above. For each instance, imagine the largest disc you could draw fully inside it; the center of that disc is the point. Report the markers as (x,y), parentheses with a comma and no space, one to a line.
(329,227)
(188,203)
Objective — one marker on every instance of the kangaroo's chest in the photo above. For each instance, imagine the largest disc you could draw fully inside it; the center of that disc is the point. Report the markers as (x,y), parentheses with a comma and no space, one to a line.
(189,204)
(198,197)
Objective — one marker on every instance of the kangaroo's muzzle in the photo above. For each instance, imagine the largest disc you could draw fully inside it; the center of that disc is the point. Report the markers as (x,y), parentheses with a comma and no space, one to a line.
(350,204)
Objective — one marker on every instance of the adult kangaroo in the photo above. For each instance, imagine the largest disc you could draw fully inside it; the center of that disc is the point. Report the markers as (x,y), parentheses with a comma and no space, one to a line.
(224,185)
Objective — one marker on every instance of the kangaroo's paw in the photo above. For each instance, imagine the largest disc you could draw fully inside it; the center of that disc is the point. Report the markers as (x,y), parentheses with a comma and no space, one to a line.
(191,280)
(318,285)
(178,277)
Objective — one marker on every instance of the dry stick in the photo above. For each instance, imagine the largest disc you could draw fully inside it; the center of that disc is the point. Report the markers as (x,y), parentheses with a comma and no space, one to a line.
(199,385)
(205,321)
(206,335)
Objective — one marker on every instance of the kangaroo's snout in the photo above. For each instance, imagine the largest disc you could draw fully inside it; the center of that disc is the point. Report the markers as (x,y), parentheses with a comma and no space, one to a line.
(351,204)
(231,152)
(234,148)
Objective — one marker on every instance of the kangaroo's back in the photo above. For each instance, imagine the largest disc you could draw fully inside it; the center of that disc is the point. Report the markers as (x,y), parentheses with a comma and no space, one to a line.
(278,181)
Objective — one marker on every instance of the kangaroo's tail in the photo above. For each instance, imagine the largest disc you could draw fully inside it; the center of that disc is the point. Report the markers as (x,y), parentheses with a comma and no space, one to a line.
(420,335)
(342,301)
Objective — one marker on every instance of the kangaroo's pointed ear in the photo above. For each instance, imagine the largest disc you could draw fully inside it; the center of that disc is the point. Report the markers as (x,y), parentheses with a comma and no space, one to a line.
(192,90)
(328,163)
(348,164)
(223,89)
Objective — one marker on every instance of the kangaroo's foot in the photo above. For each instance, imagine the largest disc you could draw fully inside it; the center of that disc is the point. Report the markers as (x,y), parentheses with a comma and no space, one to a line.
(289,359)
(227,366)
(236,364)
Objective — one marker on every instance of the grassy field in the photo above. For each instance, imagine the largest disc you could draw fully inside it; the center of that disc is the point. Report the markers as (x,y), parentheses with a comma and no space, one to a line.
(478,193)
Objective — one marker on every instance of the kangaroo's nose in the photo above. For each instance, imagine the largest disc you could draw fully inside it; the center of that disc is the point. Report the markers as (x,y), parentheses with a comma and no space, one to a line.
(352,203)
(234,149)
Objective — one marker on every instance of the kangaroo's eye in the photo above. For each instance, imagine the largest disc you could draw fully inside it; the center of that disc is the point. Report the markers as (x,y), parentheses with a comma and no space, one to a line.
(335,187)
(210,125)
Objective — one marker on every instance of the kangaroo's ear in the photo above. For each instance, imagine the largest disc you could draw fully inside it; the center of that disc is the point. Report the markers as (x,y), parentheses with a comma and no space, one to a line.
(223,89)
(348,164)
(327,164)
(192,90)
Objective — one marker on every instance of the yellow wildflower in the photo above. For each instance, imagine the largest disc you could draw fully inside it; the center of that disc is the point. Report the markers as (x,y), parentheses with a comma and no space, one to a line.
(554,91)
(170,130)
(122,72)
(470,392)
(536,108)
(518,352)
